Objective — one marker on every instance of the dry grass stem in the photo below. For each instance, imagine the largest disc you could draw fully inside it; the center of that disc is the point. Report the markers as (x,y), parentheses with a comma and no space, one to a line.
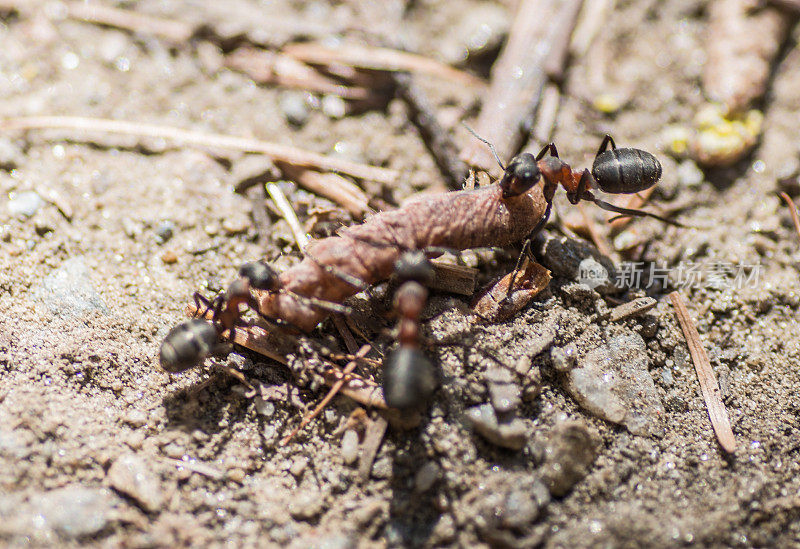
(287,212)
(176,32)
(708,381)
(277,152)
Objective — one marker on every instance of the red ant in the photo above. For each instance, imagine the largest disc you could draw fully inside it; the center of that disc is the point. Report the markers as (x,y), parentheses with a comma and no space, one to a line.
(409,377)
(615,171)
(188,343)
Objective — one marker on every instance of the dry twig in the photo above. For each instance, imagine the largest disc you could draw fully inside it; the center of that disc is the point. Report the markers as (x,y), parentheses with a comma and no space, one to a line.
(176,32)
(438,141)
(708,381)
(281,153)
(332,186)
(793,211)
(331,393)
(266,67)
(380,59)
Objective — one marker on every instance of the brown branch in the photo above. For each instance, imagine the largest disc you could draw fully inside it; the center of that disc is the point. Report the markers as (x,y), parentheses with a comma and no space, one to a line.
(282,153)
(708,381)
(541,29)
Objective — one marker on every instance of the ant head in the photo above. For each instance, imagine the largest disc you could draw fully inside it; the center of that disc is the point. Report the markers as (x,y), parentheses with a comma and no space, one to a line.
(520,176)
(259,275)
(415,265)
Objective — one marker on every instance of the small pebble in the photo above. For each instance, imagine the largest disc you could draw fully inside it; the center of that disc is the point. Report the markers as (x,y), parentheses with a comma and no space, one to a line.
(295,108)
(73,511)
(136,418)
(576,261)
(504,394)
(510,434)
(236,223)
(569,455)
(68,291)
(689,175)
(132,476)
(334,106)
(264,407)
(131,228)
(564,358)
(382,468)
(426,476)
(169,257)
(613,382)
(165,231)
(25,204)
(350,446)
(298,466)
(306,504)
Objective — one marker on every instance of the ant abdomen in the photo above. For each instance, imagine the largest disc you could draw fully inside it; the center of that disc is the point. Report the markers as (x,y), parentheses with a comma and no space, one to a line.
(625,171)
(187,344)
(409,378)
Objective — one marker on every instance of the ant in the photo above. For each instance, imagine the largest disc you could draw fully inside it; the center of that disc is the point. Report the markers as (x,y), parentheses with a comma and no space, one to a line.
(409,377)
(615,171)
(188,343)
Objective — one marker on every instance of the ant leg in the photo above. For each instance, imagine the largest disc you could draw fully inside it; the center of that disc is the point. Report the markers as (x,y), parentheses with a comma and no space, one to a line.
(354,281)
(626,212)
(549,147)
(526,247)
(200,302)
(604,145)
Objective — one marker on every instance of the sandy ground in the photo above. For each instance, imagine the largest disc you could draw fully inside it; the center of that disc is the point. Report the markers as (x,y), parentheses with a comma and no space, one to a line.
(98,265)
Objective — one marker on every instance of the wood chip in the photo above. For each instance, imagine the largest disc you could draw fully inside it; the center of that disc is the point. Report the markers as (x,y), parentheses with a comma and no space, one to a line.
(632,309)
(455,279)
(708,381)
(369,449)
(497,305)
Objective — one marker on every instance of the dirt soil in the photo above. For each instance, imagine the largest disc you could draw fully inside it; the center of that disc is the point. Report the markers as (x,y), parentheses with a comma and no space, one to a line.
(99,446)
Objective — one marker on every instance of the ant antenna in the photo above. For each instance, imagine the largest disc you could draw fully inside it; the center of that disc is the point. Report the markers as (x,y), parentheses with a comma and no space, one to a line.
(491,147)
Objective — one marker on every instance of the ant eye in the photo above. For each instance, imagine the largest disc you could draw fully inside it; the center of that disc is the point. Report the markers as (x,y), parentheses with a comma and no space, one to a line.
(522,174)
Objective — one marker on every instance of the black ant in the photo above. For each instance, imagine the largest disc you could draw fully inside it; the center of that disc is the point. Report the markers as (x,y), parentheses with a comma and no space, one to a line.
(188,343)
(409,377)
(615,171)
